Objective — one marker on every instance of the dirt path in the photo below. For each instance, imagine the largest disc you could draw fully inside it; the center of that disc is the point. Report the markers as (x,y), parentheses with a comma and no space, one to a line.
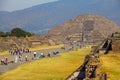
(11,66)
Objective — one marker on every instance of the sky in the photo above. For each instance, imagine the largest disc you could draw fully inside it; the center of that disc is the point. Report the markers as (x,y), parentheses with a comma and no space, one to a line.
(13,5)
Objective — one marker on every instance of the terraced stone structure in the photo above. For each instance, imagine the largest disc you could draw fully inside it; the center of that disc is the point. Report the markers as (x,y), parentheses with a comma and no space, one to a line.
(89,28)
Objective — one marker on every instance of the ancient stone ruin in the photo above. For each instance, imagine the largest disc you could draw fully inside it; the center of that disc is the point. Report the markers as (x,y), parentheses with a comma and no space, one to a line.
(89,28)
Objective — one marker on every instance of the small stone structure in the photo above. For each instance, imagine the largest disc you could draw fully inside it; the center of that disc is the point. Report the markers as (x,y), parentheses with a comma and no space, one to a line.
(23,42)
(116,42)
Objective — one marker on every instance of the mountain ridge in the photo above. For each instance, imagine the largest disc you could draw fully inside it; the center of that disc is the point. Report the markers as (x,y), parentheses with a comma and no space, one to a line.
(41,18)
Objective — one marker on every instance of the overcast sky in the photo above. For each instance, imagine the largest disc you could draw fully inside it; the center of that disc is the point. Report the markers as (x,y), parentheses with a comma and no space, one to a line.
(12,5)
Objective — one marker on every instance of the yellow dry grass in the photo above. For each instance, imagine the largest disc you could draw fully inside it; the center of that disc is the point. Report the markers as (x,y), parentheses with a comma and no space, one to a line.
(4,52)
(45,47)
(111,65)
(56,68)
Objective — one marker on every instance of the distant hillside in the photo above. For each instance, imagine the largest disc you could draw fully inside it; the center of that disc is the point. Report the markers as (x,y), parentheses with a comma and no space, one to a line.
(87,28)
(41,18)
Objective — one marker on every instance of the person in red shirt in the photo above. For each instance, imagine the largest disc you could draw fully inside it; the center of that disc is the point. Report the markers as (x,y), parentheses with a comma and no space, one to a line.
(6,60)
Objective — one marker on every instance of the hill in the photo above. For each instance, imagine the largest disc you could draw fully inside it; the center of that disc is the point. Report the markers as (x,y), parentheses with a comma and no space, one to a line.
(41,18)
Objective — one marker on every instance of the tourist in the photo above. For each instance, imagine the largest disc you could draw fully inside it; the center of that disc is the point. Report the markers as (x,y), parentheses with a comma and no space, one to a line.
(2,62)
(57,52)
(16,59)
(26,58)
(35,53)
(9,50)
(54,52)
(49,54)
(16,51)
(20,57)
(38,55)
(20,52)
(12,52)
(42,55)
(23,50)
(6,60)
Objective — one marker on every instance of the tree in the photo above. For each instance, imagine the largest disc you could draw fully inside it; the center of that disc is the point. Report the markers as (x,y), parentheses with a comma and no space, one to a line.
(8,34)
(2,34)
(18,32)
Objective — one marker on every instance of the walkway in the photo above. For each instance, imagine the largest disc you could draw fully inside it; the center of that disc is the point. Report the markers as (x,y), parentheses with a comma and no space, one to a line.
(11,66)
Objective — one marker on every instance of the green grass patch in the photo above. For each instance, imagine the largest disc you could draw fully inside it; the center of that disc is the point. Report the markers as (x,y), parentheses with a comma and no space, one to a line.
(56,68)
(111,65)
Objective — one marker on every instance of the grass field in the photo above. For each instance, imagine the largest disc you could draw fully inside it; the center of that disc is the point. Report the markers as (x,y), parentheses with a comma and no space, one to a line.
(56,68)
(45,47)
(111,65)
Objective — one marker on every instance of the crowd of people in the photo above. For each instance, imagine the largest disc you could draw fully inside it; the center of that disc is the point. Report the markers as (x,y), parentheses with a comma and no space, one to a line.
(25,55)
(18,51)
